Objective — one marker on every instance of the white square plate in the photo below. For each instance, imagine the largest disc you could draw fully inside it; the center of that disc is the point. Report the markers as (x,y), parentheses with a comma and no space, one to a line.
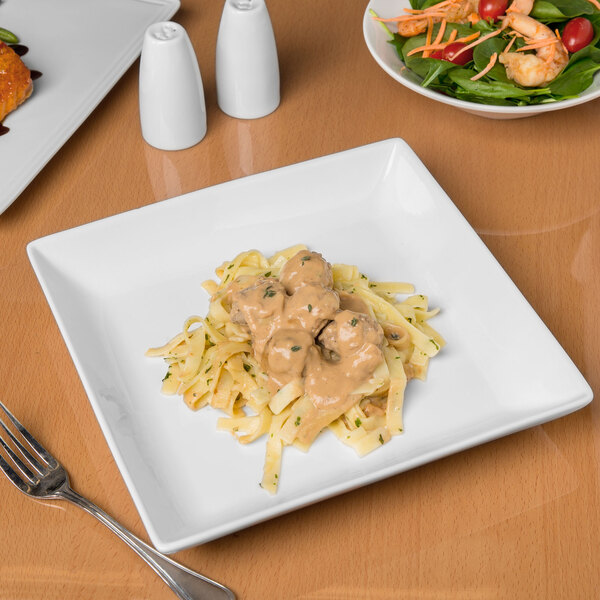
(82,48)
(125,283)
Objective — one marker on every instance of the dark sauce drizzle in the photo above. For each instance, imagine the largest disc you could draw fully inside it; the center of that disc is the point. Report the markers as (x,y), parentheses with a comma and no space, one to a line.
(21,50)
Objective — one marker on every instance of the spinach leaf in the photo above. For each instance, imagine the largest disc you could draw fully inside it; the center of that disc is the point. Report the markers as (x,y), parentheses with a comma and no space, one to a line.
(422,4)
(576,79)
(436,68)
(591,52)
(573,8)
(547,12)
(493,89)
(554,11)
(482,55)
(423,66)
(476,99)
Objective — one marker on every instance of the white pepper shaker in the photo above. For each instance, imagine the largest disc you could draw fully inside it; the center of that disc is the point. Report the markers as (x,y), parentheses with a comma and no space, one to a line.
(172,105)
(247,68)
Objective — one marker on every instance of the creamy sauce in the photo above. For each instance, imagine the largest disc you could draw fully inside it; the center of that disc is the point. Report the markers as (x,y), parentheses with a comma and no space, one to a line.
(301,327)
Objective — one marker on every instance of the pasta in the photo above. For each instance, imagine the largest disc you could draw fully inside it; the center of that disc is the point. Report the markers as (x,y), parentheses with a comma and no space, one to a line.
(292,346)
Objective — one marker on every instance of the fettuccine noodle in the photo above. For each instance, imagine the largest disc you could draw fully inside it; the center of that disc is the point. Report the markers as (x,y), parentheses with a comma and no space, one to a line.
(221,361)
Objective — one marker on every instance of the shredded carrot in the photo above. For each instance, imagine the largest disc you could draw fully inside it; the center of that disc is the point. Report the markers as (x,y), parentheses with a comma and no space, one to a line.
(426,48)
(561,42)
(483,71)
(435,7)
(440,34)
(595,3)
(416,14)
(478,41)
(540,44)
(439,45)
(468,38)
(512,41)
(403,18)
(550,56)
(473,18)
(426,53)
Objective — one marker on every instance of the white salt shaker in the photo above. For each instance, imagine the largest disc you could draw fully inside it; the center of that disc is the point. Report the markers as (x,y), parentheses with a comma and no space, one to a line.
(172,105)
(247,68)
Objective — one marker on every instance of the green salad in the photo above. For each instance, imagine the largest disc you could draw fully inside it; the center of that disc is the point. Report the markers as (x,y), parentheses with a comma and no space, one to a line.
(480,70)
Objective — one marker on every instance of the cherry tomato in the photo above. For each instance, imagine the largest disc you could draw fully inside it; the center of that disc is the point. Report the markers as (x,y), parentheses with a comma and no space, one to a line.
(439,54)
(492,9)
(451,50)
(577,34)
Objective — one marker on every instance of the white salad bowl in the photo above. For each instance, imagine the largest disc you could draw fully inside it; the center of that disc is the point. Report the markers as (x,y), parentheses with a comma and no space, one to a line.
(387,58)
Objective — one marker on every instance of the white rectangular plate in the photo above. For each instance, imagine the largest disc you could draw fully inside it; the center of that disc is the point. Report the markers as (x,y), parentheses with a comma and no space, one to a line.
(82,48)
(122,284)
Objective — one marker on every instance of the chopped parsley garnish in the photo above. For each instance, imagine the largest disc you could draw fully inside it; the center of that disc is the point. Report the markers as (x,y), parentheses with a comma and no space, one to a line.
(358,422)
(296,348)
(207,370)
(269,292)
(247,367)
(435,344)
(309,308)
(305,258)
(208,381)
(268,274)
(297,421)
(354,322)
(167,376)
(394,336)
(363,276)
(380,439)
(230,266)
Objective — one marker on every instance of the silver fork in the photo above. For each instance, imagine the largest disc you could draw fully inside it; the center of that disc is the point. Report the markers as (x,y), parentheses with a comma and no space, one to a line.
(39,475)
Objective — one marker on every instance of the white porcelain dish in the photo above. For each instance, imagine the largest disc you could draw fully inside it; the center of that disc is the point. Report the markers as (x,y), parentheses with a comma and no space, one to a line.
(387,58)
(125,283)
(82,48)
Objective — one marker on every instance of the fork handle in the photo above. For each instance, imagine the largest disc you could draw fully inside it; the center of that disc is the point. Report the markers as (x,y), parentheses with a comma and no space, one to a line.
(186,584)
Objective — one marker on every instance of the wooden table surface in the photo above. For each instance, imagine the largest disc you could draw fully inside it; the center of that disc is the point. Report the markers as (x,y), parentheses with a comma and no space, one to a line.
(515,518)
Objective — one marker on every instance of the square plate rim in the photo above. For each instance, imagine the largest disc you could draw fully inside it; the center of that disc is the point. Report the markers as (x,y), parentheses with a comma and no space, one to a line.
(185,541)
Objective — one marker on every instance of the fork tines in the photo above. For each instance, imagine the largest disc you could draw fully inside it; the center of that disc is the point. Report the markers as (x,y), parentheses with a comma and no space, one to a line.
(31,465)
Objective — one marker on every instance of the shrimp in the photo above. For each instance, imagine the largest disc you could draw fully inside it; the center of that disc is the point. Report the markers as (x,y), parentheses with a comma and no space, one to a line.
(453,11)
(521,6)
(533,70)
